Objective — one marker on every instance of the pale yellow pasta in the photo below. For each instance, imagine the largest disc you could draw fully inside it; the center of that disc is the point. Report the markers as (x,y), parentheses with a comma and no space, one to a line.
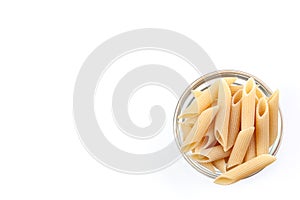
(211,140)
(259,93)
(230,80)
(186,129)
(210,154)
(220,165)
(235,119)
(262,127)
(228,128)
(240,147)
(199,129)
(207,97)
(246,169)
(190,111)
(196,93)
(190,121)
(256,100)
(248,104)
(251,151)
(222,118)
(273,103)
(193,131)
(200,145)
(208,166)
(235,88)
(195,147)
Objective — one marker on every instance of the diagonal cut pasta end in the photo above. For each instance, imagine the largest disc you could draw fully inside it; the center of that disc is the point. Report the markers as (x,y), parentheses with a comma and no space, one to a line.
(224,180)
(200,158)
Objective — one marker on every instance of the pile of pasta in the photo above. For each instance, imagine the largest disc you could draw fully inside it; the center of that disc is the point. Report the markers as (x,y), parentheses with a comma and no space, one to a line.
(230,127)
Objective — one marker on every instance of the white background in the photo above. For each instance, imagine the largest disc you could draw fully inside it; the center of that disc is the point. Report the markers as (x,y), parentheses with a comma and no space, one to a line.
(42,47)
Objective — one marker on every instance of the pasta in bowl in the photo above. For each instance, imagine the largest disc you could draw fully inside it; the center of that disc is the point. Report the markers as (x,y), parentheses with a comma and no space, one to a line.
(228,125)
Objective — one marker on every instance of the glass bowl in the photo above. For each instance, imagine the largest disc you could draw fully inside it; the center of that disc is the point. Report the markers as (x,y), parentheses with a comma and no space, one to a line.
(204,82)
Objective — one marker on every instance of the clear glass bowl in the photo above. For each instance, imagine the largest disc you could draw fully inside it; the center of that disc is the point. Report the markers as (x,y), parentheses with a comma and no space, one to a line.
(204,82)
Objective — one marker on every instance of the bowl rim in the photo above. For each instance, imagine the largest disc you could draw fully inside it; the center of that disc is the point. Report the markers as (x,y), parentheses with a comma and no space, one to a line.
(212,76)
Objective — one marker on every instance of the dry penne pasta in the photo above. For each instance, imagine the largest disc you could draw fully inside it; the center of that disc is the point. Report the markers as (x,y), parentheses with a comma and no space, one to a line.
(211,140)
(230,80)
(190,121)
(196,93)
(235,119)
(201,144)
(251,151)
(207,97)
(185,130)
(199,128)
(189,136)
(235,88)
(248,104)
(259,93)
(222,118)
(210,154)
(228,128)
(208,140)
(208,166)
(256,100)
(220,165)
(240,147)
(262,127)
(246,169)
(190,111)
(273,103)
